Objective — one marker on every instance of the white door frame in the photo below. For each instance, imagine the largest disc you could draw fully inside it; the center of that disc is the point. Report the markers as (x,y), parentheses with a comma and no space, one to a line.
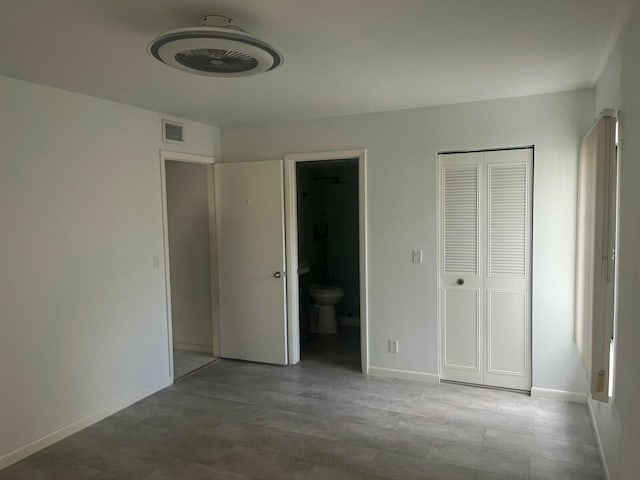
(291,240)
(202,160)
(439,188)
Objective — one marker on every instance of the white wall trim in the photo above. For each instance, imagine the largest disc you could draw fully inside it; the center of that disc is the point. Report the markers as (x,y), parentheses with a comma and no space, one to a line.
(291,235)
(603,459)
(404,374)
(192,347)
(563,395)
(186,157)
(204,160)
(74,427)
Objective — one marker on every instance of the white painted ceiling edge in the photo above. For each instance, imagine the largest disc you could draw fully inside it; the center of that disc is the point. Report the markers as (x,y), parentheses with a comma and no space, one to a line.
(342,58)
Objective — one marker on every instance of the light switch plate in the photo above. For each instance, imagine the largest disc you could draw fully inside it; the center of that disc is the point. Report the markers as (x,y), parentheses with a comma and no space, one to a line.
(417,256)
(393,346)
(156,262)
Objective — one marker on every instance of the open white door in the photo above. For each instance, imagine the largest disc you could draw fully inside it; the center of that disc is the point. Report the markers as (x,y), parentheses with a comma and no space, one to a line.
(250,239)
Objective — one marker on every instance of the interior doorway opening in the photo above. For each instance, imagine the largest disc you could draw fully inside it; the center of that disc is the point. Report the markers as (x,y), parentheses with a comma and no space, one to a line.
(328,266)
(187,187)
(326,246)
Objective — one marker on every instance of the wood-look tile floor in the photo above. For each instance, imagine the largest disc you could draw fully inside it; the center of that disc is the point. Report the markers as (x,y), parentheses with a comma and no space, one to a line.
(316,420)
(185,362)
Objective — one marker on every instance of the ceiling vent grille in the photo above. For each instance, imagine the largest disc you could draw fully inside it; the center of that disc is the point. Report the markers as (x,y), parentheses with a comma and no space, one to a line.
(172,132)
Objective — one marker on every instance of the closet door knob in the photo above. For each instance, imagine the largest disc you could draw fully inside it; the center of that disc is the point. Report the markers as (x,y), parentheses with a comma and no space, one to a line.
(460,281)
(278,275)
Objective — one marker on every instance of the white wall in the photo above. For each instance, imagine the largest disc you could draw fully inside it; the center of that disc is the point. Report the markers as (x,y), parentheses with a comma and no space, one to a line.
(402,150)
(618,423)
(189,253)
(607,89)
(82,312)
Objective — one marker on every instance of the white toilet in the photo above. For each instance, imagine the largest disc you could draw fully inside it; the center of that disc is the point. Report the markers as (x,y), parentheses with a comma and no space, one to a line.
(325,298)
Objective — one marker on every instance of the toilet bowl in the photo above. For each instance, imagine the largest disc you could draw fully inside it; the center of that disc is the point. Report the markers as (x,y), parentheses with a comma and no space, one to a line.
(325,298)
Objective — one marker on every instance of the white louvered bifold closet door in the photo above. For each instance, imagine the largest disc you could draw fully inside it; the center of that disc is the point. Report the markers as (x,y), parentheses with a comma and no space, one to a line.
(507,282)
(461,280)
(485,267)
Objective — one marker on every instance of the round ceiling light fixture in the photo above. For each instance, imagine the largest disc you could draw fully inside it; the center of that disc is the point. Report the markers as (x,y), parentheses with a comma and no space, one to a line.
(217,48)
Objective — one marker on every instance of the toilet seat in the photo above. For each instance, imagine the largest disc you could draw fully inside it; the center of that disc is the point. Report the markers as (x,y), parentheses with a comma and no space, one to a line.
(324,291)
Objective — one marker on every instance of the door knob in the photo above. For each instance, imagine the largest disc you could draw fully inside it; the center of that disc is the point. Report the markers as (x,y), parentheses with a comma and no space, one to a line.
(460,281)
(278,275)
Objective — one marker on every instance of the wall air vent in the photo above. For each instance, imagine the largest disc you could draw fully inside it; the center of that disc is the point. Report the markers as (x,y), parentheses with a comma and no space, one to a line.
(172,132)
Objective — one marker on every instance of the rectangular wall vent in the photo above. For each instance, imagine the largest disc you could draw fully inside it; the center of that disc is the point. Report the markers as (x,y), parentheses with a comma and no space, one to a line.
(172,132)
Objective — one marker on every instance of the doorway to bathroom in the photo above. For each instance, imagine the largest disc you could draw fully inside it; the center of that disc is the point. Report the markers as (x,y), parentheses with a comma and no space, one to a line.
(326,256)
(187,188)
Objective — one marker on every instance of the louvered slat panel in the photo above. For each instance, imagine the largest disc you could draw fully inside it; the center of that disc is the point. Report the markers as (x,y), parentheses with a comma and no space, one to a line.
(507,220)
(461,233)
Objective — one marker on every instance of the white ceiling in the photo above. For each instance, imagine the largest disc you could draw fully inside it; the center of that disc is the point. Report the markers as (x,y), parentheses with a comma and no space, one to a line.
(341,56)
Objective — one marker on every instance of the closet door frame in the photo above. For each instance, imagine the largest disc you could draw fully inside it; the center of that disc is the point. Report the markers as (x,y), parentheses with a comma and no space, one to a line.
(483,260)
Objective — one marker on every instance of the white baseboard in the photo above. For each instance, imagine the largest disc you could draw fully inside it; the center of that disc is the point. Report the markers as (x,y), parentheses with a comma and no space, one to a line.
(603,459)
(51,438)
(404,374)
(192,347)
(563,395)
(348,321)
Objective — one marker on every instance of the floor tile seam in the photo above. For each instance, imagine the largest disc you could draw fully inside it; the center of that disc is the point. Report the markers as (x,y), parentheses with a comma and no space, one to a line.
(371,471)
(437,421)
(515,429)
(563,436)
(355,467)
(364,404)
(398,397)
(547,437)
(252,421)
(100,471)
(372,468)
(226,399)
(586,468)
(525,477)
(355,442)
(476,469)
(205,396)
(507,415)
(442,438)
(455,465)
(493,450)
(431,443)
(282,408)
(180,435)
(221,468)
(195,370)
(352,404)
(538,454)
(395,423)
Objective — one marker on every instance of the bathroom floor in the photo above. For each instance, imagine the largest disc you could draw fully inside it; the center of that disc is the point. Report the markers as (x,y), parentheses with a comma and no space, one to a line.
(343,348)
(241,420)
(187,361)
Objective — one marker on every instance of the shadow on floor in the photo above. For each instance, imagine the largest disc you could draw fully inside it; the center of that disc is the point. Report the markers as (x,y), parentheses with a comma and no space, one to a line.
(342,348)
